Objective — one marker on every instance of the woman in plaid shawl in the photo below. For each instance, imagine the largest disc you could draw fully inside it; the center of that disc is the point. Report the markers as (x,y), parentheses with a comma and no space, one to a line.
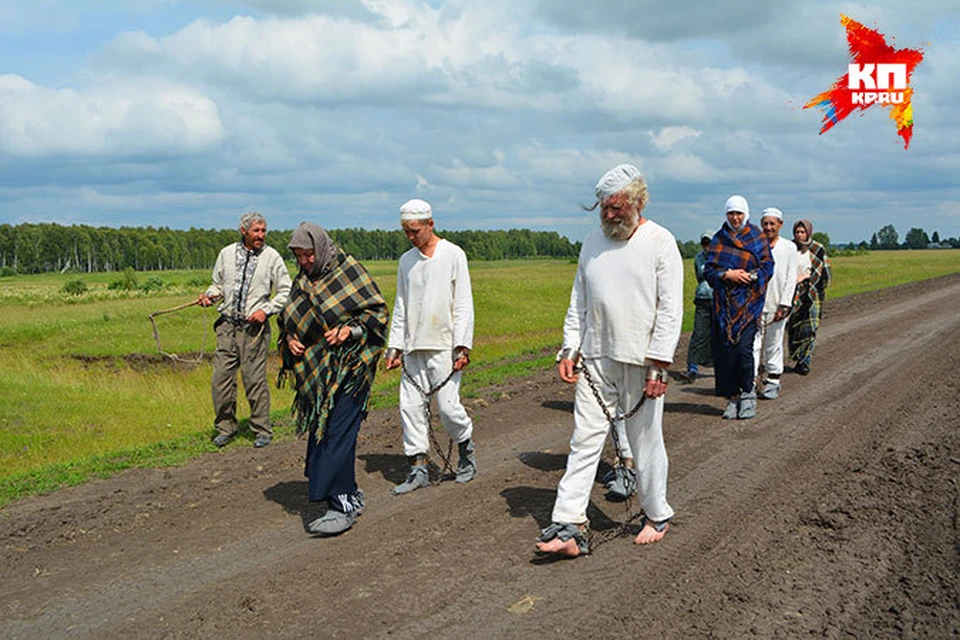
(738,267)
(813,276)
(333,329)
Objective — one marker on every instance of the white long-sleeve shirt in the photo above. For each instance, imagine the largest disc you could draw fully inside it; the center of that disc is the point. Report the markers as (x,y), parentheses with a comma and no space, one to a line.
(434,305)
(627,297)
(784,280)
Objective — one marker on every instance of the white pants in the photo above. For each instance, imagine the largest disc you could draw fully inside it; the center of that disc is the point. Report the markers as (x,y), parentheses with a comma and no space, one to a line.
(621,386)
(769,343)
(430,368)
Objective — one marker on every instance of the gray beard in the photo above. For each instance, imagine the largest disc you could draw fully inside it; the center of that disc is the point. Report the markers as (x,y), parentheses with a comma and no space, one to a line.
(620,230)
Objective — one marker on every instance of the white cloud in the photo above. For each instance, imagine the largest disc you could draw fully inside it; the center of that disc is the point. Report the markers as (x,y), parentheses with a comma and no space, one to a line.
(142,119)
(668,137)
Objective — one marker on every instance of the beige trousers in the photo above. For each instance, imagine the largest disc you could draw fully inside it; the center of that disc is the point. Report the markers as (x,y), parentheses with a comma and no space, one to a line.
(243,347)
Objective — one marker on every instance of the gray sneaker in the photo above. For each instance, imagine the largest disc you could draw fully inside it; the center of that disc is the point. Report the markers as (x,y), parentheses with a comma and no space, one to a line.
(262,441)
(416,479)
(733,408)
(748,406)
(333,522)
(770,390)
(221,440)
(467,467)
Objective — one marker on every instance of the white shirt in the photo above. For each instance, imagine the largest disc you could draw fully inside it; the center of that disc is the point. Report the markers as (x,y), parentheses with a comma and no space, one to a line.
(434,304)
(804,266)
(784,281)
(627,297)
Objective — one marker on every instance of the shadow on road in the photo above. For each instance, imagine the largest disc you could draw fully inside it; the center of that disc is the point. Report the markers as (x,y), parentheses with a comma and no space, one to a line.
(392,466)
(294,497)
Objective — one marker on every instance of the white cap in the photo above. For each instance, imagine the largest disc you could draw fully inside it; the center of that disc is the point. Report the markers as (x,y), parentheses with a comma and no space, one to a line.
(738,203)
(773,212)
(415,209)
(707,233)
(616,180)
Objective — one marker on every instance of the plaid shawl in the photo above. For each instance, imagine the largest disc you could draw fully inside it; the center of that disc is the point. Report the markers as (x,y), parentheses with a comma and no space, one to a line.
(344,294)
(737,306)
(820,274)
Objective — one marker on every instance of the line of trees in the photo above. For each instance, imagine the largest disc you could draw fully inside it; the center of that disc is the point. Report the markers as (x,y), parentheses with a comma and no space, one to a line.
(48,247)
(916,238)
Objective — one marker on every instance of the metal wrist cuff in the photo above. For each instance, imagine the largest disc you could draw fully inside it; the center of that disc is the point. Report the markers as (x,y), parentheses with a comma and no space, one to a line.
(356,332)
(568,354)
(658,373)
(393,353)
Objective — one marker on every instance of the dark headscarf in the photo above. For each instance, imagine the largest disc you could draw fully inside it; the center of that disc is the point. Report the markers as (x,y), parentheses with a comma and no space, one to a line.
(313,236)
(806,224)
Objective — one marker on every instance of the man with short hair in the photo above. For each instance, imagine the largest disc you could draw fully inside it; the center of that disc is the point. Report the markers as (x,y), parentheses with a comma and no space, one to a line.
(700,349)
(768,343)
(252,283)
(626,309)
(431,335)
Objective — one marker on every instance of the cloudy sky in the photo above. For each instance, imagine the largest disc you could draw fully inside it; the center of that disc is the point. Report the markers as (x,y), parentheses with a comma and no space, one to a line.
(502,113)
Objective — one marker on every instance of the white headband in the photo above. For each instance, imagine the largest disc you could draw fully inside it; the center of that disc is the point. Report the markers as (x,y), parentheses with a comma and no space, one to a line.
(616,180)
(415,209)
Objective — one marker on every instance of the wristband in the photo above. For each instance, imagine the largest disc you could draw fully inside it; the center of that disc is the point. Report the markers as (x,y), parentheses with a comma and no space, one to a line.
(393,353)
(568,354)
(658,373)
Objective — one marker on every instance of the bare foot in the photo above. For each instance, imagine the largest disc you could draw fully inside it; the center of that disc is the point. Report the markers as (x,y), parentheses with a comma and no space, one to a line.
(570,548)
(649,534)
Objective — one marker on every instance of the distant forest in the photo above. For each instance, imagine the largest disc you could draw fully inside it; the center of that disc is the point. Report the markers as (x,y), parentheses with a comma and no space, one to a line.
(47,247)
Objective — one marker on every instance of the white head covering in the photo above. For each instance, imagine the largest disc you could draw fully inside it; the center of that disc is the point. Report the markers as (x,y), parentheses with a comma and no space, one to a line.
(415,209)
(707,233)
(739,203)
(616,180)
(773,212)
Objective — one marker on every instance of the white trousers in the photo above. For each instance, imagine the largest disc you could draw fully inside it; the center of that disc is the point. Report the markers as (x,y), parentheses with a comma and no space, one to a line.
(621,386)
(768,346)
(430,368)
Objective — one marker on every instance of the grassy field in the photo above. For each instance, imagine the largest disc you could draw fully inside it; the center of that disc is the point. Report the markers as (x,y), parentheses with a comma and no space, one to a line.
(81,395)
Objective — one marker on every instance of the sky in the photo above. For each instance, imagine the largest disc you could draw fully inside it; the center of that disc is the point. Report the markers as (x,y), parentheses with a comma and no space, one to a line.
(501,113)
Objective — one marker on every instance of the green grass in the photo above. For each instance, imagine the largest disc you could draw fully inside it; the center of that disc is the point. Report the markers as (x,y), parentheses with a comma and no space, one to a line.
(78,399)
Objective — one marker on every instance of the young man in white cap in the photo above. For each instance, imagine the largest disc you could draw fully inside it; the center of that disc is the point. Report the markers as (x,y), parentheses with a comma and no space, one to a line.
(431,335)
(768,345)
(626,308)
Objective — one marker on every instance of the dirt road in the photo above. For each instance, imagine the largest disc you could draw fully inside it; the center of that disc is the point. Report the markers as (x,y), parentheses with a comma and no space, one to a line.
(833,513)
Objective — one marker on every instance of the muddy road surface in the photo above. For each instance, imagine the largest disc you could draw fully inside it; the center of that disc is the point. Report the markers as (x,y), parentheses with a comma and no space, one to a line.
(833,513)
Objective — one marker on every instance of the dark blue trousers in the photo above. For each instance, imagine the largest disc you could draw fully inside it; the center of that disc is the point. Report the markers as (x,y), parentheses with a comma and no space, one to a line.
(330,465)
(733,363)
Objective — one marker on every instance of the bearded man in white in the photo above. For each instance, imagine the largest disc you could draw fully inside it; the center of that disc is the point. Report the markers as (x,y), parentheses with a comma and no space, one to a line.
(768,343)
(626,308)
(431,335)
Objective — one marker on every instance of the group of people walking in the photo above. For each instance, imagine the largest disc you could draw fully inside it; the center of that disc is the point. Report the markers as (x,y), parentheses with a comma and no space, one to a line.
(334,325)
(619,337)
(753,288)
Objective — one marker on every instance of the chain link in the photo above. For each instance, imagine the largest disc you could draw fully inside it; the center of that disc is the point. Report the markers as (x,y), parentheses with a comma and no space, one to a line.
(595,539)
(427,395)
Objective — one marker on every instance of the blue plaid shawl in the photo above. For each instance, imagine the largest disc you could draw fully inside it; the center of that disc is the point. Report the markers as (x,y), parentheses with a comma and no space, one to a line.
(737,306)
(344,294)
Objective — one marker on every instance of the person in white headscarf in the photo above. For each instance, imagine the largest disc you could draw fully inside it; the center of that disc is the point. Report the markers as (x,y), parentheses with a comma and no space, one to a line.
(623,323)
(768,343)
(431,336)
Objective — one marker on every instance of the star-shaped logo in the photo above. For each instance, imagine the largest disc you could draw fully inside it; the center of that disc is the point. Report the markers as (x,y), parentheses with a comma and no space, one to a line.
(878,75)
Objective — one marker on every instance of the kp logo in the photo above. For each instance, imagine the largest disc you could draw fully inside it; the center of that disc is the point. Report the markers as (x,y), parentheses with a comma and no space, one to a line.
(879,75)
